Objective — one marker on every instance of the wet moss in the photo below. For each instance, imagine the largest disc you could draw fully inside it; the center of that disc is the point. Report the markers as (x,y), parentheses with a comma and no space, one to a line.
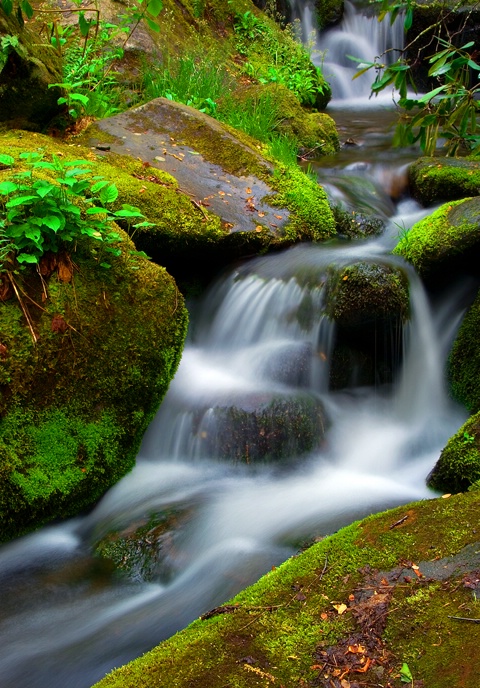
(271,632)
(435,180)
(459,464)
(444,242)
(464,361)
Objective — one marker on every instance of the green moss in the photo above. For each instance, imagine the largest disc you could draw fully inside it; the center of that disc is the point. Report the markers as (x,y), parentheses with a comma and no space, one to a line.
(312,218)
(74,406)
(464,361)
(442,179)
(446,233)
(272,629)
(459,464)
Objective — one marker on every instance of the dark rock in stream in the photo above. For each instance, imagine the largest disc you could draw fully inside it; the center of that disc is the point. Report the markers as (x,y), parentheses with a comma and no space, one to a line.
(257,428)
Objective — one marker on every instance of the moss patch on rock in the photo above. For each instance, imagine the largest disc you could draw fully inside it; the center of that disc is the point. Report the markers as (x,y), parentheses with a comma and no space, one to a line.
(447,241)
(435,180)
(362,599)
(458,467)
(464,360)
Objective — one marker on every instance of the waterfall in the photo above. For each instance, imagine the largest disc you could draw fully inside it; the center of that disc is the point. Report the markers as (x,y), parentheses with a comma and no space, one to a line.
(362,36)
(252,452)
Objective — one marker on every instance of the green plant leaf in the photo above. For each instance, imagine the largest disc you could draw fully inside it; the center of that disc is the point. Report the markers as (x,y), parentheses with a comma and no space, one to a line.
(7,187)
(44,190)
(152,24)
(405,674)
(20,200)
(79,97)
(6,160)
(52,222)
(154,7)
(98,185)
(27,258)
(108,194)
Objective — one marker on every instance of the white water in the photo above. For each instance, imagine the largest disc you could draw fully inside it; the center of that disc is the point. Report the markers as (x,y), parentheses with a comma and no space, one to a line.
(259,334)
(362,36)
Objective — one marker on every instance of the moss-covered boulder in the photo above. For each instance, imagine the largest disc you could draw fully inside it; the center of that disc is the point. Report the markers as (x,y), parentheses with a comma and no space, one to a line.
(27,69)
(446,243)
(458,467)
(369,303)
(239,203)
(89,343)
(353,608)
(436,180)
(464,360)
(329,12)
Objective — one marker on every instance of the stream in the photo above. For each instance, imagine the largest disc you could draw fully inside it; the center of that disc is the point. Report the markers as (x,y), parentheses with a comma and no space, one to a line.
(258,336)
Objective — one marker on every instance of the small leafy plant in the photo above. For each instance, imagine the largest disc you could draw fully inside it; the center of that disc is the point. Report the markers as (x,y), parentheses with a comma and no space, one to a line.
(53,203)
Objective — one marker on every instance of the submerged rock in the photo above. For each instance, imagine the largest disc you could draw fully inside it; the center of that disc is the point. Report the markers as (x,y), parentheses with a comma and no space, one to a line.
(258,428)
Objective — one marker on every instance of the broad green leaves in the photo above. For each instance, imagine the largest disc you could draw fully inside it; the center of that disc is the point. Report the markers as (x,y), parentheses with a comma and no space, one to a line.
(39,215)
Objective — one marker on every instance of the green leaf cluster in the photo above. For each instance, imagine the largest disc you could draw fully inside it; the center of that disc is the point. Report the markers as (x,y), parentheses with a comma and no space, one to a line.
(53,203)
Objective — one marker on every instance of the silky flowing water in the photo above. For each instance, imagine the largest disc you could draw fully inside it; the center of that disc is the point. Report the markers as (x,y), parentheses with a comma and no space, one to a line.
(260,334)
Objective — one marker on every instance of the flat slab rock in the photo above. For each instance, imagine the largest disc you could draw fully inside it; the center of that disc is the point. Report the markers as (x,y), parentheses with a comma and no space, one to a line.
(175,138)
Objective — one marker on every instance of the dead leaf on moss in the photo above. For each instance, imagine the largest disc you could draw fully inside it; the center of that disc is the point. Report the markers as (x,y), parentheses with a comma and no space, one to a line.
(59,324)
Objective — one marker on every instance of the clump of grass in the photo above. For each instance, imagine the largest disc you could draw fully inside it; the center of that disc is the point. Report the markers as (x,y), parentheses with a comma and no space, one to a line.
(190,79)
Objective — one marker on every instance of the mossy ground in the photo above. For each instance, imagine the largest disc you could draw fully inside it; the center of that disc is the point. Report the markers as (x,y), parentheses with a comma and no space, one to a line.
(74,406)
(285,629)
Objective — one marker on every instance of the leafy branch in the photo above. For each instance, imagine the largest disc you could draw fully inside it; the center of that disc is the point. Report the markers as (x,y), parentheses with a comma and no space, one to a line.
(449,109)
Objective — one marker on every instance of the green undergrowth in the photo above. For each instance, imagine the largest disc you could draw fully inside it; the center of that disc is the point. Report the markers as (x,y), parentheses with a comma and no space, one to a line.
(270,633)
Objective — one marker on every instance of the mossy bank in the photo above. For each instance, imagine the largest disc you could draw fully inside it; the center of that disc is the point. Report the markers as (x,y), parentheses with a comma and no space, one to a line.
(352,608)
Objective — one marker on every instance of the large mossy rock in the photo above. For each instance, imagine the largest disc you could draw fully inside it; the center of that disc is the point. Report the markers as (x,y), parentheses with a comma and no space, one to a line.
(26,100)
(75,405)
(360,603)
(240,202)
(436,180)
(446,243)
(464,360)
(369,303)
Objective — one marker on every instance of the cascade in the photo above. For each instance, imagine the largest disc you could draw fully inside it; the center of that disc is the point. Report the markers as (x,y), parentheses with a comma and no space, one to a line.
(259,340)
(362,36)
